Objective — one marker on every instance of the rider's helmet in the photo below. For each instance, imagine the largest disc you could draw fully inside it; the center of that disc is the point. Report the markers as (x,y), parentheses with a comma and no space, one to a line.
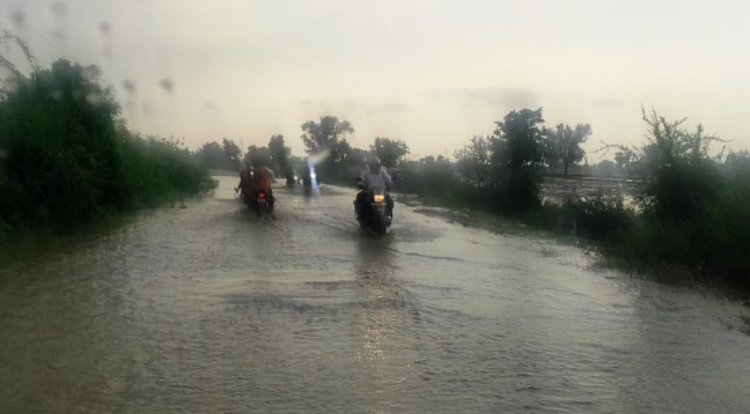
(374,164)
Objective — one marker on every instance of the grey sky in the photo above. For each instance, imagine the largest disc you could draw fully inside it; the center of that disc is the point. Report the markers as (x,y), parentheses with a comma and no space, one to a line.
(431,72)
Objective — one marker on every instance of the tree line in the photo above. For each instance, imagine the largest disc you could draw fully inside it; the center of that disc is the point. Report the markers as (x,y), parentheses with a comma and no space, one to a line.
(689,208)
(67,159)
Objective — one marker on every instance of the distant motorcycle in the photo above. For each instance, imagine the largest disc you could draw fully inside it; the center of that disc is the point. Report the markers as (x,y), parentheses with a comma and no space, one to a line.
(260,202)
(375,217)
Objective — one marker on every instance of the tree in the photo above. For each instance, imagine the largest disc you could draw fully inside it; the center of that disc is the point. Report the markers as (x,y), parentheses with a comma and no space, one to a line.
(279,154)
(232,152)
(679,175)
(606,168)
(391,152)
(325,139)
(563,144)
(516,158)
(212,155)
(624,157)
(257,156)
(358,157)
(473,161)
(323,135)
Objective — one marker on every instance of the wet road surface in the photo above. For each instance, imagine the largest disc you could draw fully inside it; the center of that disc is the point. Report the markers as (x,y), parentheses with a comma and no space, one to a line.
(205,310)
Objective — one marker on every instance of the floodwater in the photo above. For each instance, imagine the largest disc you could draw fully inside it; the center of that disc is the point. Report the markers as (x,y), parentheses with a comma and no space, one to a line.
(206,310)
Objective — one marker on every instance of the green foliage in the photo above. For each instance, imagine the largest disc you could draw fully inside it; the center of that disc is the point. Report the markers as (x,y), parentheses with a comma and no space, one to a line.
(391,152)
(562,145)
(694,207)
(435,178)
(279,154)
(214,155)
(602,215)
(257,156)
(232,152)
(679,176)
(66,161)
(325,134)
(517,158)
(157,169)
(473,162)
(324,139)
(606,168)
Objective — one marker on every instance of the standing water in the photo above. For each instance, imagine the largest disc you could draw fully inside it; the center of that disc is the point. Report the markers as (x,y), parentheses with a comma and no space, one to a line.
(206,310)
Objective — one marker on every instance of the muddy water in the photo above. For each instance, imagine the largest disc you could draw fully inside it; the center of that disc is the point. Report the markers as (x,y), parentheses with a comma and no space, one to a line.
(205,310)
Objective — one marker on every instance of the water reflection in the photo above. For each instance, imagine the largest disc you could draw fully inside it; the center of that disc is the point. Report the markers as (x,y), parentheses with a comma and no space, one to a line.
(383,318)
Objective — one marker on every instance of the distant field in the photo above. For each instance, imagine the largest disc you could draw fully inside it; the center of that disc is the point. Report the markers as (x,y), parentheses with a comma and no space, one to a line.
(557,189)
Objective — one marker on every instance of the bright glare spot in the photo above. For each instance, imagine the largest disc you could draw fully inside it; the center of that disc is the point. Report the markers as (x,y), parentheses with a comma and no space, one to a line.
(318,157)
(313,178)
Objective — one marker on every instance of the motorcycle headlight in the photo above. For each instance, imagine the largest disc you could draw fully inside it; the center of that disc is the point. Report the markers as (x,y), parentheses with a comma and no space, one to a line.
(379,198)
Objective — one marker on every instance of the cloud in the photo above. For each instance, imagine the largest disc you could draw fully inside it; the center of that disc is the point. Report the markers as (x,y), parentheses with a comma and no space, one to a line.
(351,106)
(606,103)
(491,96)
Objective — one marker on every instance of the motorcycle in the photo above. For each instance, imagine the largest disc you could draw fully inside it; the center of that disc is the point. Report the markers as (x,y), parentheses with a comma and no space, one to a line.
(375,218)
(260,202)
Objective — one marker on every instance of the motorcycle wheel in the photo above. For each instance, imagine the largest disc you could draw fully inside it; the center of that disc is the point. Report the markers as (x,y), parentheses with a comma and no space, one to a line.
(378,222)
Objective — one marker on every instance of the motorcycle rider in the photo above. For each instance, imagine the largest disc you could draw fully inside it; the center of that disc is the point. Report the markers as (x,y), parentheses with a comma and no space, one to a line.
(246,178)
(374,177)
(261,181)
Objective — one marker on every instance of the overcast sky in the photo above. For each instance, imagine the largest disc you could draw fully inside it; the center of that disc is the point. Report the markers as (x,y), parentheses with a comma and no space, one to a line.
(431,72)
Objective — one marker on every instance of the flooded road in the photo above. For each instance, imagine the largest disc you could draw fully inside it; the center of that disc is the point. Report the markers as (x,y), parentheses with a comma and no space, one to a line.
(205,310)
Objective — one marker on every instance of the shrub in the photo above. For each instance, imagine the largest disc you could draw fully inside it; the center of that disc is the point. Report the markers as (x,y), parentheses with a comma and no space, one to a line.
(65,160)
(602,215)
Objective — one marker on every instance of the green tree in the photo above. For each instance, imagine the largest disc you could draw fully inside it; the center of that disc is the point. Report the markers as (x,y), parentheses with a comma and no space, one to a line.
(391,152)
(213,155)
(358,157)
(66,159)
(232,152)
(563,145)
(516,158)
(326,138)
(58,130)
(473,161)
(257,156)
(679,175)
(280,154)
(325,134)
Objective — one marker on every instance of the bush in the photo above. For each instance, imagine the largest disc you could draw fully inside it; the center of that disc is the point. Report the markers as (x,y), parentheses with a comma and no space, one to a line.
(65,161)
(601,216)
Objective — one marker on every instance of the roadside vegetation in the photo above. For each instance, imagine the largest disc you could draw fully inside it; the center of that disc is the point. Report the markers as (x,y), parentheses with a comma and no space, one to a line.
(66,159)
(688,209)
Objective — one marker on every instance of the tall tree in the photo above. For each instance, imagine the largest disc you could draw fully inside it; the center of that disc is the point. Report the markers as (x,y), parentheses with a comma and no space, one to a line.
(516,158)
(563,144)
(213,155)
(232,152)
(257,156)
(326,139)
(391,152)
(325,134)
(473,161)
(280,156)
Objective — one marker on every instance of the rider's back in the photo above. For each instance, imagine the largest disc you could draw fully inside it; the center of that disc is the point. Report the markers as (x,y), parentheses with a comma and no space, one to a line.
(376,181)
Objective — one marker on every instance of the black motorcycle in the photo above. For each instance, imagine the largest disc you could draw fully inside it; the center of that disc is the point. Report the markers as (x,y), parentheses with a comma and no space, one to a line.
(374,217)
